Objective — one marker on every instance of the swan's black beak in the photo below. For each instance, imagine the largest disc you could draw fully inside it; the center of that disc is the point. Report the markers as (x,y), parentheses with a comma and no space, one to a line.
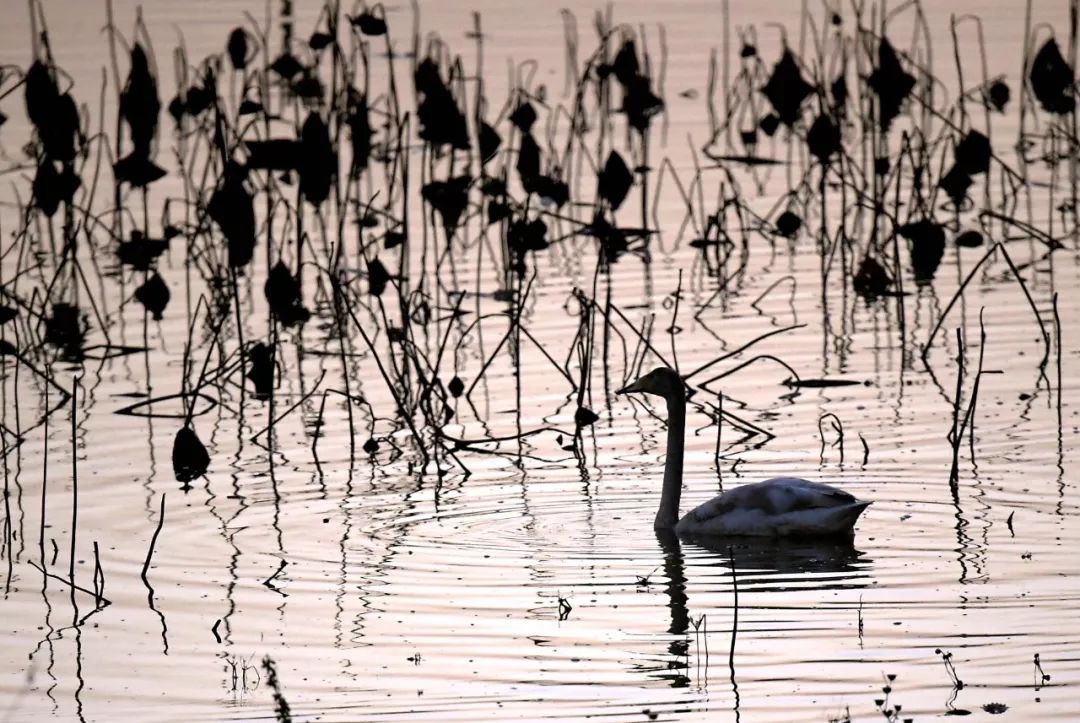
(630,388)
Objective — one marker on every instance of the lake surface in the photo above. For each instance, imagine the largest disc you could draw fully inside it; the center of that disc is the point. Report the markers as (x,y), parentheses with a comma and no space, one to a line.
(519,576)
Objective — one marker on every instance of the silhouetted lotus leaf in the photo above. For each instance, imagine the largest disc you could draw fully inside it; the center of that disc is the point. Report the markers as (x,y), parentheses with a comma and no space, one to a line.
(231,206)
(747,50)
(371,446)
(769,123)
(552,190)
(66,329)
(40,93)
(139,103)
(369,24)
(154,295)
(319,40)
(176,108)
(823,138)
(318,162)
(871,280)
(524,235)
(308,86)
(138,170)
(625,66)
(786,89)
(378,277)
(275,154)
(449,198)
(584,417)
(51,187)
(970,239)
(882,165)
(286,66)
(7,313)
(891,83)
(490,140)
(998,95)
(140,252)
(788,224)
(441,121)
(839,93)
(497,211)
(190,460)
(973,153)
(528,162)
(523,117)
(614,180)
(260,369)
(749,137)
(1052,79)
(359,131)
(927,247)
(456,387)
(493,187)
(198,98)
(237,48)
(249,107)
(640,104)
(956,183)
(393,239)
(59,135)
(283,294)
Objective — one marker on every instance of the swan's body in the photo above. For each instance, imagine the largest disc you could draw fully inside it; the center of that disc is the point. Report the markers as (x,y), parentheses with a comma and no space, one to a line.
(780,507)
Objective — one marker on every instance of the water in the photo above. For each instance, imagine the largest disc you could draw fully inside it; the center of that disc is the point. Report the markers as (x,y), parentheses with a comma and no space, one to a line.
(535,587)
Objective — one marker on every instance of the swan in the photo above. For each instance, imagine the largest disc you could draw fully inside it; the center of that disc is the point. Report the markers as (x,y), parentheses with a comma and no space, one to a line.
(779,507)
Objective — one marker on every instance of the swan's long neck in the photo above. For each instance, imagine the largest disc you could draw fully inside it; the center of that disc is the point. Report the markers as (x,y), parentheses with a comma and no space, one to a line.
(668,514)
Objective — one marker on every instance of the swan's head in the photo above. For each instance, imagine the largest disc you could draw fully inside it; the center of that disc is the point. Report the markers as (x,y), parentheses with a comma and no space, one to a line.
(662,381)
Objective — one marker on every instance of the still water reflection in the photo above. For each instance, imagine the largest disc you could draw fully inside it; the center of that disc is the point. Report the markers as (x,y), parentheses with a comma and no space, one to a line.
(525,579)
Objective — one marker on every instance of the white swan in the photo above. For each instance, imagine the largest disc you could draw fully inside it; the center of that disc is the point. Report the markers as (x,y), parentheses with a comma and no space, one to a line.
(784,506)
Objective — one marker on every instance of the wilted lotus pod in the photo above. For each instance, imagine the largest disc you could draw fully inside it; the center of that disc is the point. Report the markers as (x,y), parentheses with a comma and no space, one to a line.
(927,247)
(823,138)
(232,207)
(154,295)
(1052,79)
(525,235)
(137,169)
(7,313)
(786,89)
(260,369)
(614,180)
(139,103)
(41,94)
(970,239)
(788,224)
(891,83)
(768,124)
(625,66)
(274,154)
(317,160)
(237,48)
(456,387)
(449,198)
(369,24)
(190,460)
(997,95)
